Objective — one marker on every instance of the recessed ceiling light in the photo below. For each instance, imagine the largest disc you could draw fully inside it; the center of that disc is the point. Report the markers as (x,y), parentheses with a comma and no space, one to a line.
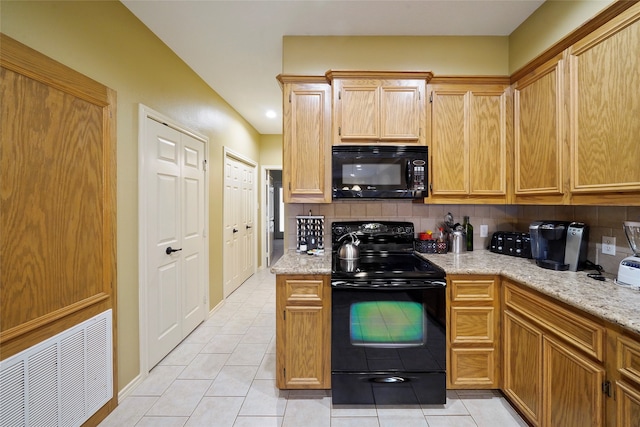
(271,114)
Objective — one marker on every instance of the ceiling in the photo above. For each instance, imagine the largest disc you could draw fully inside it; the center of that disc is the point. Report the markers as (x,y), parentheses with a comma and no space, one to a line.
(235,46)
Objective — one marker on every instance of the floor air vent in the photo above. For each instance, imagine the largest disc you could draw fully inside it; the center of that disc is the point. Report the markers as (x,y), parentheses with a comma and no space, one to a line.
(62,381)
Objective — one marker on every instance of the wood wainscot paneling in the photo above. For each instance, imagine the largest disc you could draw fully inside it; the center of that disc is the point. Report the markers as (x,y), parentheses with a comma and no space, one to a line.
(57,200)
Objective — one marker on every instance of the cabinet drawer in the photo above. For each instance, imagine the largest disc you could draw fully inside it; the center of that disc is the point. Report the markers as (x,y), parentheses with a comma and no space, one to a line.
(628,362)
(567,325)
(472,290)
(303,292)
(472,324)
(473,367)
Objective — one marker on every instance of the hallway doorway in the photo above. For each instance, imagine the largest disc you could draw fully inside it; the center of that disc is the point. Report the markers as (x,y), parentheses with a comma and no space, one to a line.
(273,217)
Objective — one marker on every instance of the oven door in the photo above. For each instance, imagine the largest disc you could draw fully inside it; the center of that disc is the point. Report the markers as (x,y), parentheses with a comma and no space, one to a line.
(388,345)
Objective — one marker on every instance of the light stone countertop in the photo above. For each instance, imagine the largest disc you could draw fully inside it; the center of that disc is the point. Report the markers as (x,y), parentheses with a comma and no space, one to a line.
(293,262)
(606,300)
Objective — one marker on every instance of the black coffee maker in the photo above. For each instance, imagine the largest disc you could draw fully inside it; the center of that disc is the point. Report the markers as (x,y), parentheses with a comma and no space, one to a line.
(559,245)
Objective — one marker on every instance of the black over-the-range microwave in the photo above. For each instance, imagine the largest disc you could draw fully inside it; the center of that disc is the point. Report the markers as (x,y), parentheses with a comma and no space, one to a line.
(379,172)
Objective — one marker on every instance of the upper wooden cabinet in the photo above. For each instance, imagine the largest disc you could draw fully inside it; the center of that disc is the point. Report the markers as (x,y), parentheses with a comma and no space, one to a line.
(306,165)
(575,121)
(604,69)
(470,140)
(540,122)
(376,107)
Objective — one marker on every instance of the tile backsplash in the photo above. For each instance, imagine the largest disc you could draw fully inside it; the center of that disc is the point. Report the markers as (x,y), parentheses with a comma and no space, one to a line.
(602,220)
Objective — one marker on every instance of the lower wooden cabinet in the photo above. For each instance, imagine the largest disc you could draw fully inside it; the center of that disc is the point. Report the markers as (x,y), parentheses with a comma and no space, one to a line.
(554,369)
(522,371)
(627,388)
(473,332)
(572,387)
(628,405)
(303,332)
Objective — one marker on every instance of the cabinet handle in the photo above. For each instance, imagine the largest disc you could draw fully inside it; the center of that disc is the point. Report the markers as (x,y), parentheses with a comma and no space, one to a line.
(339,130)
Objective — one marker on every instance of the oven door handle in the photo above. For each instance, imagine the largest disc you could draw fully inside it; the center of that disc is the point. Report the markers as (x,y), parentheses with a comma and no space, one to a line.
(388,285)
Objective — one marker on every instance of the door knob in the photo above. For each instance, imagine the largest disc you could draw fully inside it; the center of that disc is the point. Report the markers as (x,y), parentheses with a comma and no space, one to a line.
(235,230)
(170,250)
(248,227)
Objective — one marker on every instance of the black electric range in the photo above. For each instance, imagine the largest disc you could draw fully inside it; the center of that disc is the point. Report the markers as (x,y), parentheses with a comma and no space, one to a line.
(388,331)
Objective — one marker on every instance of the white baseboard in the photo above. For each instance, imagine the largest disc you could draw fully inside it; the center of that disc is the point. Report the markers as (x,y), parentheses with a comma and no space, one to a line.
(216,308)
(126,391)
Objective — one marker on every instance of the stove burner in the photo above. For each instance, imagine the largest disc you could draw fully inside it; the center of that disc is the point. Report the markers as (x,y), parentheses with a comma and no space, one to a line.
(406,266)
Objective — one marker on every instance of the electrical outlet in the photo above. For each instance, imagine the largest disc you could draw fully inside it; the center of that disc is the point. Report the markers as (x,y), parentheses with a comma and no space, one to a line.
(484,230)
(608,245)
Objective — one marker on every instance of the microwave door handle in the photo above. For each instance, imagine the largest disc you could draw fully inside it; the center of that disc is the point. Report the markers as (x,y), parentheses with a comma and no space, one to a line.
(409,175)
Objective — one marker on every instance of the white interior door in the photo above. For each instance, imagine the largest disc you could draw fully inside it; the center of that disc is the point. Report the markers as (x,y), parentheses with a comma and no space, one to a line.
(239,222)
(175,223)
(248,209)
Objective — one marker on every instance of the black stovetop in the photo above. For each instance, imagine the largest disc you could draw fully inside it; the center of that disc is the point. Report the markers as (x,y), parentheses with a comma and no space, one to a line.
(385,266)
(386,252)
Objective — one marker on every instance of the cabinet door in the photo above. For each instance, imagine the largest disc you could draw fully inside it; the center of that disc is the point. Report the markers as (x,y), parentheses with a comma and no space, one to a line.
(469,142)
(627,357)
(628,405)
(359,108)
(379,111)
(573,387)
(307,143)
(488,141)
(522,373)
(401,110)
(449,141)
(303,349)
(539,127)
(604,70)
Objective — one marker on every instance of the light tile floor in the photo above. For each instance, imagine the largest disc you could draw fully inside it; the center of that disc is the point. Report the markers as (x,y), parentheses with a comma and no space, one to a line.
(223,374)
